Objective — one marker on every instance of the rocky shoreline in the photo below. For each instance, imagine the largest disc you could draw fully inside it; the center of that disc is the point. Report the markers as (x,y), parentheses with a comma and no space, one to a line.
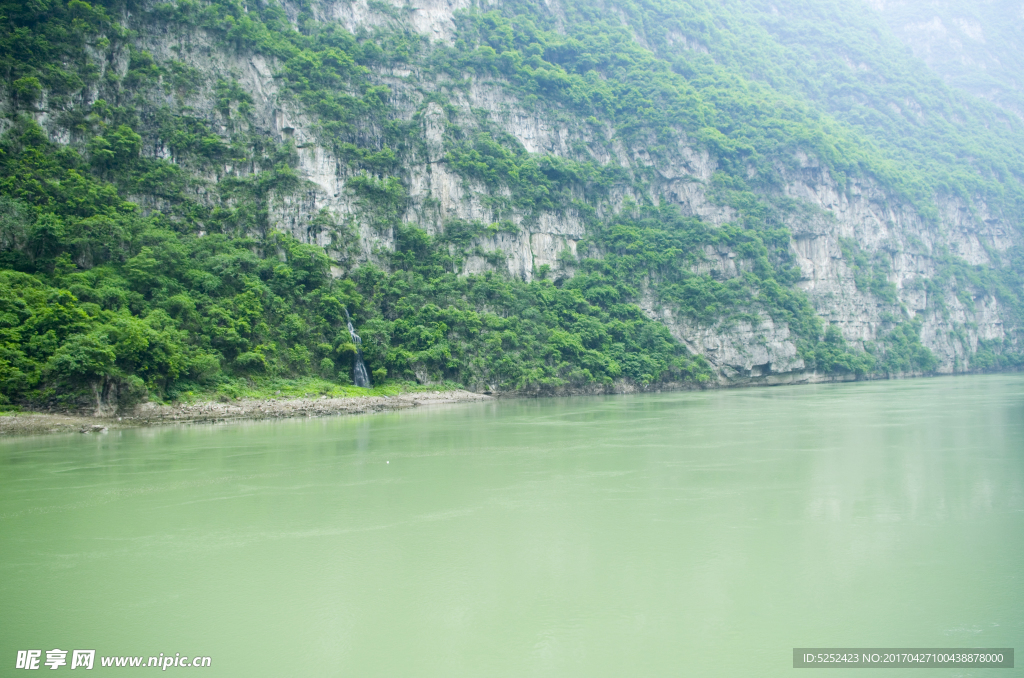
(150,414)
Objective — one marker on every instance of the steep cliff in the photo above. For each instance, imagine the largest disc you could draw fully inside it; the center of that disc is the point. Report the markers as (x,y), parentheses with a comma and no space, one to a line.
(607,158)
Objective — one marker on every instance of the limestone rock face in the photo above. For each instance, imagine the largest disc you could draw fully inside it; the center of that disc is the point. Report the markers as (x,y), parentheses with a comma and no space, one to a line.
(745,351)
(910,246)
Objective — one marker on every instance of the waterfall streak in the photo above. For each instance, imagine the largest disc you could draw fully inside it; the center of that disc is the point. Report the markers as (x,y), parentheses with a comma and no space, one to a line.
(360,375)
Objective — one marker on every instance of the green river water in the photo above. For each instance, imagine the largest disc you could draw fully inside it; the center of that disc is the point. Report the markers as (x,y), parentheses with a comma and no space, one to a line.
(665,534)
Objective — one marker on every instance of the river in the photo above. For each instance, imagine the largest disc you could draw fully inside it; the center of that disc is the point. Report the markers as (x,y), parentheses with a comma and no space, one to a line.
(664,534)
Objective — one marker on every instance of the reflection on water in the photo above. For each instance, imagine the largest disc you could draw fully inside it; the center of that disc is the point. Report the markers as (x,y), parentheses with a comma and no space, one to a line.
(661,534)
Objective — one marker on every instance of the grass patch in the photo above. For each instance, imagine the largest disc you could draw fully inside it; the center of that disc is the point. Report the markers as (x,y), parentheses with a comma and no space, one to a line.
(269,388)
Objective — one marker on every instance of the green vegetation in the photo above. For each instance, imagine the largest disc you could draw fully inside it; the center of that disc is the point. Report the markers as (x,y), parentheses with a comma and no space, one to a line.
(147,307)
(905,352)
(170,313)
(140,256)
(264,387)
(870,274)
(488,331)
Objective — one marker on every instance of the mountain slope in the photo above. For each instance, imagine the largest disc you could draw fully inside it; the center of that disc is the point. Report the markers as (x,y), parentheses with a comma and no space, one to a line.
(526,198)
(974,46)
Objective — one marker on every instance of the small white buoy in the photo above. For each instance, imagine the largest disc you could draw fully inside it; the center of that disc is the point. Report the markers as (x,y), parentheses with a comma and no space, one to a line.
(388,462)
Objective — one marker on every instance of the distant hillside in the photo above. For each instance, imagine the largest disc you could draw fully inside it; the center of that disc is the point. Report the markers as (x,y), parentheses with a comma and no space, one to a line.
(975,45)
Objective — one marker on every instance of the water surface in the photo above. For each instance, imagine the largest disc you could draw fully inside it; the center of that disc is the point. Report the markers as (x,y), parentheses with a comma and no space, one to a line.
(651,535)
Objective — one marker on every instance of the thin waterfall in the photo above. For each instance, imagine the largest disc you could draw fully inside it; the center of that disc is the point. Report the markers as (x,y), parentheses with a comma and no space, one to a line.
(360,375)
